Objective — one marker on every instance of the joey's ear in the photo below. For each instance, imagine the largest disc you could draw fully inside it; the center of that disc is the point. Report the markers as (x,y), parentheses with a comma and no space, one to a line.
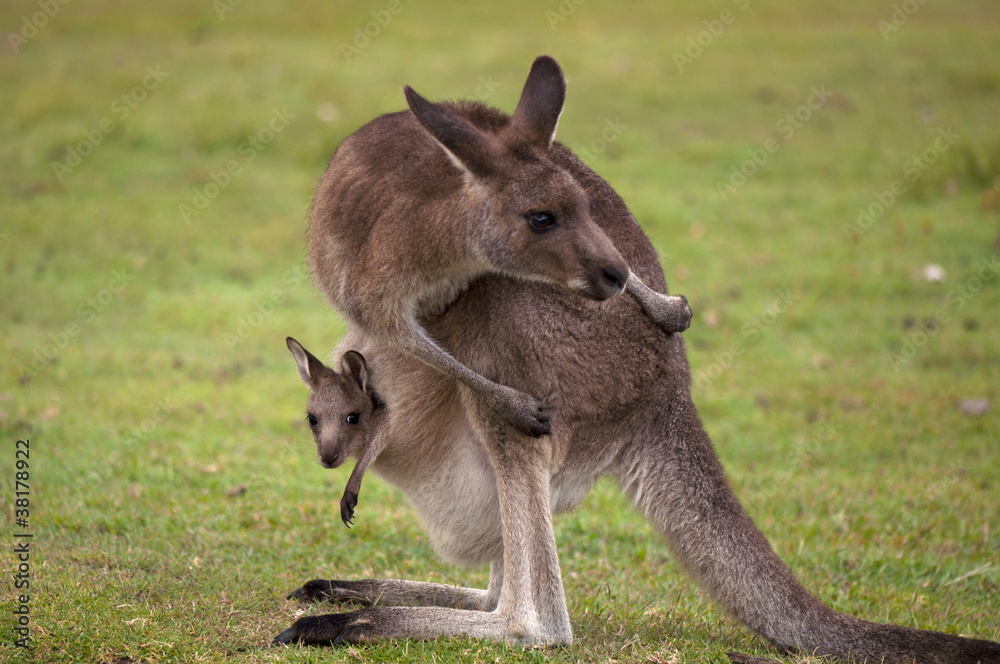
(541,103)
(353,364)
(467,147)
(310,368)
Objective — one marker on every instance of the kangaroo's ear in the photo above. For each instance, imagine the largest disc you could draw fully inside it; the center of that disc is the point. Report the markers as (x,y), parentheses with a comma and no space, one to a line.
(467,147)
(310,368)
(541,104)
(353,364)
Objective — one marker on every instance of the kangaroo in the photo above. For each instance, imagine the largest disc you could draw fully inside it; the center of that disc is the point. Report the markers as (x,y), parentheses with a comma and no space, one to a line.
(345,415)
(619,390)
(415,205)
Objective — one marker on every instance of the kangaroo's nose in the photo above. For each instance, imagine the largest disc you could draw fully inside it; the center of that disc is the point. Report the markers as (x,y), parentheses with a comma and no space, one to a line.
(330,459)
(614,277)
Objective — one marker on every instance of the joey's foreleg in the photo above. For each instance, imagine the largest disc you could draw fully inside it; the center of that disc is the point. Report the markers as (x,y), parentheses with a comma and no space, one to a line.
(526,413)
(670,312)
(350,498)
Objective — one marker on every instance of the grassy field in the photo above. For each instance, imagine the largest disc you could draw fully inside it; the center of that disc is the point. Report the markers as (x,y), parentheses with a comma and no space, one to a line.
(798,167)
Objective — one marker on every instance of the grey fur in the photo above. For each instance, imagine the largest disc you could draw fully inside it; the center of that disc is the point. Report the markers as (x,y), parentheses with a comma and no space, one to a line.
(618,393)
(415,205)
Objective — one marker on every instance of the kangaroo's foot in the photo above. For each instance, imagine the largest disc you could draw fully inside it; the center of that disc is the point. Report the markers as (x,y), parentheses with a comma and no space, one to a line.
(323,590)
(395,592)
(418,623)
(328,630)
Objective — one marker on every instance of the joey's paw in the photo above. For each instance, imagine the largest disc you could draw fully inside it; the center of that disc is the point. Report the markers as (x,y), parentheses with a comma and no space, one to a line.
(347,505)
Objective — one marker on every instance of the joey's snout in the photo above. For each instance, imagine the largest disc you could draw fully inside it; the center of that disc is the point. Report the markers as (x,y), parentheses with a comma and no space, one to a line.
(331,454)
(330,459)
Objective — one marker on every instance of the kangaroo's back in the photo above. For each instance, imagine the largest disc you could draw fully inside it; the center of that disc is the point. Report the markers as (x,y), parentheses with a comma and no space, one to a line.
(387,173)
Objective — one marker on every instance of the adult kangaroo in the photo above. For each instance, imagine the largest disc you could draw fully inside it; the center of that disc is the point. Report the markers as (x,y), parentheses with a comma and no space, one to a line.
(618,390)
(415,205)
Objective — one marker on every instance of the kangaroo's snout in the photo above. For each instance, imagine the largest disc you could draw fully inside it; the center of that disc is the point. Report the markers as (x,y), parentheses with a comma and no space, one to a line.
(601,271)
(602,283)
(614,277)
(330,458)
(333,453)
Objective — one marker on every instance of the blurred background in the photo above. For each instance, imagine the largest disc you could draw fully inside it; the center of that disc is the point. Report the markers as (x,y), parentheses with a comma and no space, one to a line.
(821,180)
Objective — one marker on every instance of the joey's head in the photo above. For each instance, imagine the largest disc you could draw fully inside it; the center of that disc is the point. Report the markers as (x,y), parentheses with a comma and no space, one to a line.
(340,404)
(531,217)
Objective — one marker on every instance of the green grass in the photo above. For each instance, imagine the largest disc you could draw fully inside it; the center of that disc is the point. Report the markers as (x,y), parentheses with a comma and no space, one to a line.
(162,384)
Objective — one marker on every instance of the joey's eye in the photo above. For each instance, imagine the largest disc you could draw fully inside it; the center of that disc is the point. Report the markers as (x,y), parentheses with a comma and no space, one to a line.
(353,418)
(313,420)
(541,221)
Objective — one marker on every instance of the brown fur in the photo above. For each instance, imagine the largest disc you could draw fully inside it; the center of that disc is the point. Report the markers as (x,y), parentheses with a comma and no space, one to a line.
(618,388)
(415,205)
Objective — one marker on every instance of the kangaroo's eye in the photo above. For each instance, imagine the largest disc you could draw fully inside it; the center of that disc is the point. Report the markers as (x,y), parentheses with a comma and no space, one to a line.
(313,420)
(353,418)
(541,221)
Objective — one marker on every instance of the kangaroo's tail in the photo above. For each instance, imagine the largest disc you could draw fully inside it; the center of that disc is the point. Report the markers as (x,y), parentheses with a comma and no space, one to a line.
(675,478)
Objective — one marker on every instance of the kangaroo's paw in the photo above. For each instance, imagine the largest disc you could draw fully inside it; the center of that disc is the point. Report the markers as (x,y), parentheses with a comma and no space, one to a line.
(526,413)
(671,312)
